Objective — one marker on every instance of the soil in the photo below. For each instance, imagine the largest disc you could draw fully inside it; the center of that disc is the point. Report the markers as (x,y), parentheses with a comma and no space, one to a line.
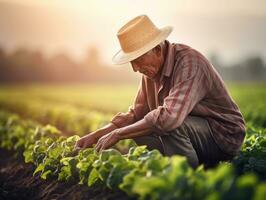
(17,182)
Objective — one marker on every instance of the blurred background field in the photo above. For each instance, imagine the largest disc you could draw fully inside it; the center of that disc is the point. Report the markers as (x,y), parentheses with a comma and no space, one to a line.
(116,97)
(100,97)
(102,101)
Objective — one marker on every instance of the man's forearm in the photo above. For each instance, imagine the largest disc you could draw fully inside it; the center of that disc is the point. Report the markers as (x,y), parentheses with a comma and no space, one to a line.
(105,130)
(140,128)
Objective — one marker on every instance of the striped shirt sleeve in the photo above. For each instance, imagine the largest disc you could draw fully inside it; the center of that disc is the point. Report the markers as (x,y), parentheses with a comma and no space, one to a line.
(188,89)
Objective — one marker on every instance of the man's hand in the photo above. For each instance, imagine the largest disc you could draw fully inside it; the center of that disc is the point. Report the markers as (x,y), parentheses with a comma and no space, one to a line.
(108,140)
(92,138)
(86,141)
(110,135)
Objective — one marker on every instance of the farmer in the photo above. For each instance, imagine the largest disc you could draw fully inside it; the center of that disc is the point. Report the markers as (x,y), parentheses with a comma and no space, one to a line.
(182,105)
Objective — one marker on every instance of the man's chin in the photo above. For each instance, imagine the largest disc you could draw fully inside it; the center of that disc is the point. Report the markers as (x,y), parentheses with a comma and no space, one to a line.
(153,78)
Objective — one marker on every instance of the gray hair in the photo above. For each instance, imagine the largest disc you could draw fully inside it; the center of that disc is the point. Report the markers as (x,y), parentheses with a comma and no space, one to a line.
(150,51)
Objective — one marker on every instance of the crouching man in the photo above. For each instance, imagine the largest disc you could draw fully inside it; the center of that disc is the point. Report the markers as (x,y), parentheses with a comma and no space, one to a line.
(182,105)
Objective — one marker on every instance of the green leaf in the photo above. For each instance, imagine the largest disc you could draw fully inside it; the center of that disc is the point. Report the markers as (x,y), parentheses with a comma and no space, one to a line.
(39,168)
(49,130)
(28,155)
(67,160)
(105,154)
(137,151)
(65,173)
(246,180)
(116,175)
(260,191)
(93,177)
(46,174)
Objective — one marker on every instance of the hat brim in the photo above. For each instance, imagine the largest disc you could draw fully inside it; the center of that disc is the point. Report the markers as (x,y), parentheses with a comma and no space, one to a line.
(121,57)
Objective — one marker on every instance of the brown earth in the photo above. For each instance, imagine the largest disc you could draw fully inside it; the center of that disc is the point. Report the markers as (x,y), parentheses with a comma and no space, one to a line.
(17,182)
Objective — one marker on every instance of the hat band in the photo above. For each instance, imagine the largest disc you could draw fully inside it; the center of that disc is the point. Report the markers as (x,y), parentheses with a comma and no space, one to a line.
(134,45)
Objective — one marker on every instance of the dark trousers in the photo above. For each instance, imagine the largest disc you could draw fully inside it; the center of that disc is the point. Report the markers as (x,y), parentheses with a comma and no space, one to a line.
(193,139)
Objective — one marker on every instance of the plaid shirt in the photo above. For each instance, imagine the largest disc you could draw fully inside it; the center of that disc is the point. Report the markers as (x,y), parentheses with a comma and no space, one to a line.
(188,85)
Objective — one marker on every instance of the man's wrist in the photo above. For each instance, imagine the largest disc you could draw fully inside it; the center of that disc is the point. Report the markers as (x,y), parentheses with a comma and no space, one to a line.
(104,130)
(118,133)
(137,129)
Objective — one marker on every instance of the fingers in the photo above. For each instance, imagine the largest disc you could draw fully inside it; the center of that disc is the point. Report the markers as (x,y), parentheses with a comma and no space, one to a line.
(102,144)
(79,143)
(76,150)
(99,145)
(106,141)
(86,141)
(87,144)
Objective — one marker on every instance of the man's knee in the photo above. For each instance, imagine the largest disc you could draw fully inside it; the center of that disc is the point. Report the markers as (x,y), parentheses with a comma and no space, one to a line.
(193,160)
(188,152)
(151,141)
(154,142)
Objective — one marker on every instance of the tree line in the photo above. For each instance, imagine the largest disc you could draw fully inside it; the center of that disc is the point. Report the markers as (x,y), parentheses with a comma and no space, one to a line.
(23,66)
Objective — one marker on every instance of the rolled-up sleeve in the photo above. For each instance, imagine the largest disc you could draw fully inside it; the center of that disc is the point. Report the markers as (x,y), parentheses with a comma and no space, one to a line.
(136,111)
(188,89)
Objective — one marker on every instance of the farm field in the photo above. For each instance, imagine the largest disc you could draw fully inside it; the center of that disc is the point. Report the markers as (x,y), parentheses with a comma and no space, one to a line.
(40,124)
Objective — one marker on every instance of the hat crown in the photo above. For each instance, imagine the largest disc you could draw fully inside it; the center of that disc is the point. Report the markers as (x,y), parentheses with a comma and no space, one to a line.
(137,33)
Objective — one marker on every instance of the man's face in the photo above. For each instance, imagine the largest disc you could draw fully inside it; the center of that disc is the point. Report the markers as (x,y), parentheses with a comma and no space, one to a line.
(149,63)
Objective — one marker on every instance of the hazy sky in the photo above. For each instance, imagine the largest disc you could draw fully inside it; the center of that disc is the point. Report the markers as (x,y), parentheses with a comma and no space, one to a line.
(233,28)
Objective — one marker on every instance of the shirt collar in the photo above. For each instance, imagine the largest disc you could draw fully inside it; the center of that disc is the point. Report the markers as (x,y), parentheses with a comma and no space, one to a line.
(169,60)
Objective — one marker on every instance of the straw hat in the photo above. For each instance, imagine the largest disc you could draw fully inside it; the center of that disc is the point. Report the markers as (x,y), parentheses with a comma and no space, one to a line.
(137,37)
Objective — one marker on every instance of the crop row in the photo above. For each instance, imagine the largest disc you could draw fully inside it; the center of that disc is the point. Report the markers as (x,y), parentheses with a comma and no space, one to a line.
(142,173)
